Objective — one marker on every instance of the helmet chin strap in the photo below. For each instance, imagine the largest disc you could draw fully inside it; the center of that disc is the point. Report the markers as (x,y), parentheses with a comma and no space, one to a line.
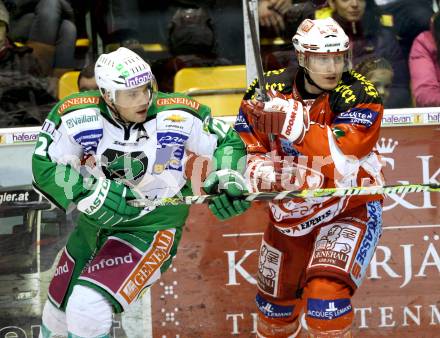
(310,80)
(116,115)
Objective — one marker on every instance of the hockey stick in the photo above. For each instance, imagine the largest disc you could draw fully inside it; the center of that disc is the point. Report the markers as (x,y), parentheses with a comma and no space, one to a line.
(256,49)
(261,91)
(305,194)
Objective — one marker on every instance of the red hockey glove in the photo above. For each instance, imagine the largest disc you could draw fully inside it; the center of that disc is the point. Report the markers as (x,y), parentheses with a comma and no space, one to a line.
(264,175)
(279,116)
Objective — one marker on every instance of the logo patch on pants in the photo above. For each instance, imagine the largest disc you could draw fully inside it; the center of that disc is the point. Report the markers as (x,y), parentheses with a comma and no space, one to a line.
(272,310)
(269,269)
(148,268)
(335,245)
(369,242)
(60,281)
(328,309)
(124,271)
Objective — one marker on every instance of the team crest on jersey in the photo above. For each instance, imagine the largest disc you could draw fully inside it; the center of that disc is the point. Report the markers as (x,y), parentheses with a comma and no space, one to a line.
(124,166)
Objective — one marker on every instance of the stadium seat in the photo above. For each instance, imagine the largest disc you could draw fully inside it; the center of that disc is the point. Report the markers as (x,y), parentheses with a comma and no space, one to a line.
(68,84)
(221,87)
(82,43)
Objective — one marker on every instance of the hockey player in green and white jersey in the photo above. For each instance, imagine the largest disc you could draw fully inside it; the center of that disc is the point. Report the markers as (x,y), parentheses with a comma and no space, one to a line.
(99,149)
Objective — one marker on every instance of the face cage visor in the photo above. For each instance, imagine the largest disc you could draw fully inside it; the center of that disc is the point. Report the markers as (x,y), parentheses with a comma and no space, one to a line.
(326,63)
(136,97)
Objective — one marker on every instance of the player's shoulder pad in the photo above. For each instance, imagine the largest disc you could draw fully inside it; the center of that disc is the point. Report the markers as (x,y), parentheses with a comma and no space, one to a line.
(280,80)
(85,121)
(352,90)
(179,102)
(176,113)
(89,99)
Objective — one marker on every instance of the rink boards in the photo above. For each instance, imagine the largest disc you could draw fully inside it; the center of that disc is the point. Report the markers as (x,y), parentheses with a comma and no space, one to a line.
(209,291)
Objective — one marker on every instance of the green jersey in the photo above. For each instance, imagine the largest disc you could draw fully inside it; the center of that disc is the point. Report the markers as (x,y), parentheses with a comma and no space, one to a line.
(82,138)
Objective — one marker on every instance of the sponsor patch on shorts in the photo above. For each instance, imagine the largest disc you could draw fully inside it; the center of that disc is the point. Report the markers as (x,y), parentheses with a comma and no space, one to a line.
(271,310)
(335,245)
(369,242)
(61,279)
(328,309)
(112,265)
(124,271)
(147,269)
(269,265)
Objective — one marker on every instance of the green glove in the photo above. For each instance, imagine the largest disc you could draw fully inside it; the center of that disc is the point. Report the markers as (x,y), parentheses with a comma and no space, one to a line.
(107,202)
(231,186)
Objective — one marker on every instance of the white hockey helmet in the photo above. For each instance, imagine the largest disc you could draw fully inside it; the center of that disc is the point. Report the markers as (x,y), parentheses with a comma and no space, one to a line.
(321,37)
(123,69)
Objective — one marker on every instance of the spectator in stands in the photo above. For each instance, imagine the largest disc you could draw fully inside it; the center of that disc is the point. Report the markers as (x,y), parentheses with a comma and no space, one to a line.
(86,78)
(121,20)
(379,71)
(24,97)
(281,18)
(360,19)
(271,14)
(424,65)
(192,43)
(289,15)
(409,19)
(48,27)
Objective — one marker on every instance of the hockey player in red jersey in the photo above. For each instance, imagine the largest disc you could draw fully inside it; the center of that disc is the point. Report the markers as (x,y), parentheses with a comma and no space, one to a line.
(318,130)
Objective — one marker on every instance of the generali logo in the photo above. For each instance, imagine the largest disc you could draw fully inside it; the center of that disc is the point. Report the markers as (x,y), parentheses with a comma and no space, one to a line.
(148,266)
(178,100)
(76,101)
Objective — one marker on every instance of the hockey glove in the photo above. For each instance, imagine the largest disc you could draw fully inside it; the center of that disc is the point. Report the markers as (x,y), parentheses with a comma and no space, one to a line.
(231,186)
(107,203)
(280,116)
(263,175)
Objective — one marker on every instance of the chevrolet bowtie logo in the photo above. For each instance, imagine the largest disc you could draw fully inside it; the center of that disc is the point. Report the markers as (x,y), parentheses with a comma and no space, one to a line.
(175,118)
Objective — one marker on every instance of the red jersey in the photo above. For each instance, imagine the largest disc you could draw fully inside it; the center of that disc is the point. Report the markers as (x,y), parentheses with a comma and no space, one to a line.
(337,150)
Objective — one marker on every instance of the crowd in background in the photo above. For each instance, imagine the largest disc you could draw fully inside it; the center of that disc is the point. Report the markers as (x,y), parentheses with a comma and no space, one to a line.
(393,43)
